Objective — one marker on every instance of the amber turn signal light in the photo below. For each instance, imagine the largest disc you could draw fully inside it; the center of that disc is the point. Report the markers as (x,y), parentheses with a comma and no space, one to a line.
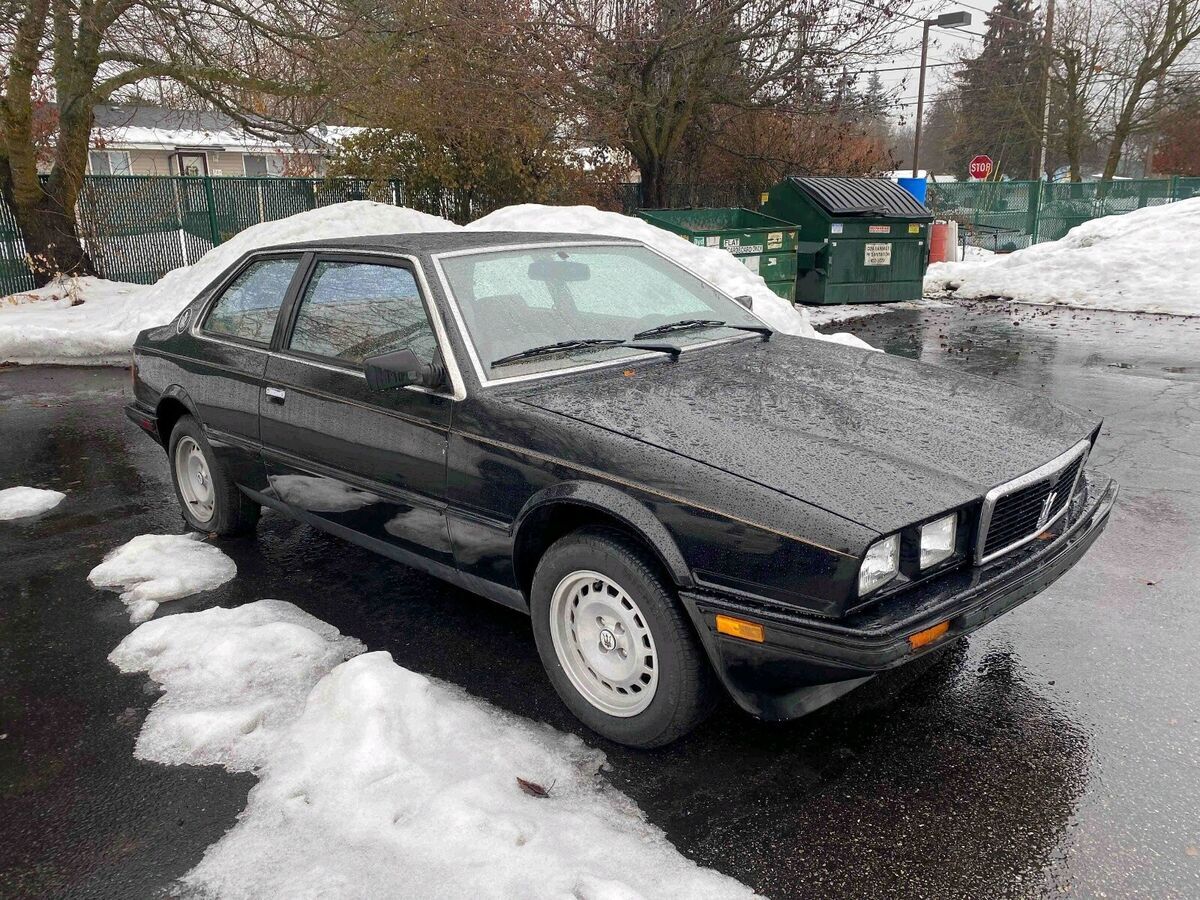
(739,628)
(928,636)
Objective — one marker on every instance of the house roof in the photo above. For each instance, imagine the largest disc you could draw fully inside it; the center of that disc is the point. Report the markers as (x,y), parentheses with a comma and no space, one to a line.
(157,128)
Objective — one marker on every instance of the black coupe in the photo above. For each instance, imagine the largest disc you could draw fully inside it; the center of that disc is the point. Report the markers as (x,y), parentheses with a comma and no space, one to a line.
(581,429)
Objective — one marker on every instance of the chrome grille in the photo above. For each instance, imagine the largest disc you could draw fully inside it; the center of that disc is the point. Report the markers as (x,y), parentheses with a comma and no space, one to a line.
(1017,512)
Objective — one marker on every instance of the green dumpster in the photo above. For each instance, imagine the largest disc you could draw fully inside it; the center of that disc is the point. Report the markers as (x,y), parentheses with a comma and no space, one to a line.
(861,240)
(766,246)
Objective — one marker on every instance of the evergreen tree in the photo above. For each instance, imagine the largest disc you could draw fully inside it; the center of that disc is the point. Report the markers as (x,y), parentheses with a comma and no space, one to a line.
(999,92)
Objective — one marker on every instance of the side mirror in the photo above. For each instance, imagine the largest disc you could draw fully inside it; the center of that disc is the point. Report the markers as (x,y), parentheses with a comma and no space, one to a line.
(396,369)
(745,300)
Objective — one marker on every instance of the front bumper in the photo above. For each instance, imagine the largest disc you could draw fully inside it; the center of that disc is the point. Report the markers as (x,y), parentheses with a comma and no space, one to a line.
(805,662)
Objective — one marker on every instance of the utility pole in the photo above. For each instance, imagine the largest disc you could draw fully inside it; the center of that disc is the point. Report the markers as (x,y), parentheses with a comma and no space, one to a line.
(947,20)
(1048,50)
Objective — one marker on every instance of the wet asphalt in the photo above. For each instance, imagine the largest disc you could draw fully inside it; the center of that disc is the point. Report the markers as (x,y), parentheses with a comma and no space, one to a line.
(1055,753)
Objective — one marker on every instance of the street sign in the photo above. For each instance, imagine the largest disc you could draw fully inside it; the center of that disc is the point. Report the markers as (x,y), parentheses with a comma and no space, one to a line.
(980,168)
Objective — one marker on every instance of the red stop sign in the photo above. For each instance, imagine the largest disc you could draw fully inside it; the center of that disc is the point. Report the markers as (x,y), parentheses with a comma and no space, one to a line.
(981,167)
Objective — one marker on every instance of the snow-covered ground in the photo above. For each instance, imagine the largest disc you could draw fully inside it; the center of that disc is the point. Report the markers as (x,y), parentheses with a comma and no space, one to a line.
(92,321)
(154,568)
(23,502)
(1143,261)
(376,781)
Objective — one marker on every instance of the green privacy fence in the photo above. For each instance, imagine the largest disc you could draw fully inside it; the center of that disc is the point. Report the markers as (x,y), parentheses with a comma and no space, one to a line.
(1008,215)
(138,227)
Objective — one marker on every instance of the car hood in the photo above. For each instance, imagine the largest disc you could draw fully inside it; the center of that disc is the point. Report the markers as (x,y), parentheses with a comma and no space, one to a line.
(877,439)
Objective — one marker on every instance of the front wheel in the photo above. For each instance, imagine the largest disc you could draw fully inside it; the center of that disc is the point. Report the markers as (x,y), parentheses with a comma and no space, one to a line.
(616,644)
(207,494)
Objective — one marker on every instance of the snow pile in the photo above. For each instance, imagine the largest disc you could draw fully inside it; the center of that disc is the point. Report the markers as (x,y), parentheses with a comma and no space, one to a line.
(20,502)
(44,326)
(712,263)
(232,679)
(380,782)
(77,320)
(1137,262)
(154,568)
(92,321)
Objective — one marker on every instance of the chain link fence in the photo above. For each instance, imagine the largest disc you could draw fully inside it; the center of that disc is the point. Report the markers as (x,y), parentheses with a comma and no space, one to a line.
(138,227)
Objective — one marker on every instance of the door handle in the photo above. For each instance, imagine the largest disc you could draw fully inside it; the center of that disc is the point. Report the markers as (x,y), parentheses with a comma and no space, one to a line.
(276,395)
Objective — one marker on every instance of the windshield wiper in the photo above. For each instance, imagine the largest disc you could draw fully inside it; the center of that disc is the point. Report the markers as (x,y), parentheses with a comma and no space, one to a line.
(583,344)
(684,324)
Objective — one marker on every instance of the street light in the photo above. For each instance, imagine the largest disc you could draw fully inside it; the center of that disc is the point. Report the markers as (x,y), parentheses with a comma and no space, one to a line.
(946,20)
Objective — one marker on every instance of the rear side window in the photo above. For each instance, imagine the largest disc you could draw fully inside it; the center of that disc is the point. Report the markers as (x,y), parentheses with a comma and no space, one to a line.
(354,310)
(250,305)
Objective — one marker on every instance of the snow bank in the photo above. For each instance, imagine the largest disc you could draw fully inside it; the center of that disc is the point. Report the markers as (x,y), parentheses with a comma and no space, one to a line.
(1143,261)
(94,322)
(380,782)
(20,502)
(154,568)
(712,263)
(43,326)
(232,679)
(76,320)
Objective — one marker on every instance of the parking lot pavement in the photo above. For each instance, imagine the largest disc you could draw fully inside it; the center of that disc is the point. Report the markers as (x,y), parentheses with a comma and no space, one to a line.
(1053,754)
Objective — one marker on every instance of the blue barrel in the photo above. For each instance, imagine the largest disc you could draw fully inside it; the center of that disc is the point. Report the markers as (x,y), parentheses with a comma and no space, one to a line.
(915,186)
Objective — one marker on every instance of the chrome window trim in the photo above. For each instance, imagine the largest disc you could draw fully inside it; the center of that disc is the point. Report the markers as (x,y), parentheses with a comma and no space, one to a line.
(1041,473)
(477,364)
(459,391)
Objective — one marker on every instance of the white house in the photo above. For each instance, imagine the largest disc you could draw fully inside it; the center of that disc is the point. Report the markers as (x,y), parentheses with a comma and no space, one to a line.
(150,140)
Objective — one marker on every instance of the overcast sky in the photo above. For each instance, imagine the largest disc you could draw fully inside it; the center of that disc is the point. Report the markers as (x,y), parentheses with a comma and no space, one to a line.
(945,46)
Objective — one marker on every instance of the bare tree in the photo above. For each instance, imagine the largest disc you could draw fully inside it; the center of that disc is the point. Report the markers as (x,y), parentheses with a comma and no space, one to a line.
(645,73)
(1083,39)
(1154,34)
(230,53)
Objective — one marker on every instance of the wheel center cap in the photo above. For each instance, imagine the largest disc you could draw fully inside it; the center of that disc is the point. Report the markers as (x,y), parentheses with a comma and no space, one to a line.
(607,640)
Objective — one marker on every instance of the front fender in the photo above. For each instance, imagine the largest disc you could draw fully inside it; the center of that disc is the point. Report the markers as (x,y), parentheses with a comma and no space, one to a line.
(614,502)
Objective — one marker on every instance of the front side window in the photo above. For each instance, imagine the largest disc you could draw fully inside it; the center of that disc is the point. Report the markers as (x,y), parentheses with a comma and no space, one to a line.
(250,305)
(513,301)
(352,310)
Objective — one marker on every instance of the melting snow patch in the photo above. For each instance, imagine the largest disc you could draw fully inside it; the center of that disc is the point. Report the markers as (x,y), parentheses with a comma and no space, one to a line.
(20,502)
(231,679)
(154,568)
(376,781)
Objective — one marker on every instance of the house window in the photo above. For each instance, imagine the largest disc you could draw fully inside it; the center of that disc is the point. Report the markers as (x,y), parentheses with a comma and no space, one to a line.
(109,162)
(262,164)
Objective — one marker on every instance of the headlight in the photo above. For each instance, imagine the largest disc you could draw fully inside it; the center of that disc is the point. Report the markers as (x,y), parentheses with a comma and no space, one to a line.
(938,539)
(880,565)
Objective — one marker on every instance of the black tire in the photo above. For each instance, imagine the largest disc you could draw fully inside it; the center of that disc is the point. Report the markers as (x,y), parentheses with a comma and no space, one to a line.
(686,687)
(232,511)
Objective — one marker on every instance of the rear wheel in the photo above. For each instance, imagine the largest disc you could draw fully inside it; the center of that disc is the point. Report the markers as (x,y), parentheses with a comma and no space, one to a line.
(209,499)
(616,644)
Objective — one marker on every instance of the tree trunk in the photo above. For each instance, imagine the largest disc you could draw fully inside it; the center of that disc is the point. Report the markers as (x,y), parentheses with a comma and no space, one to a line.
(48,229)
(654,184)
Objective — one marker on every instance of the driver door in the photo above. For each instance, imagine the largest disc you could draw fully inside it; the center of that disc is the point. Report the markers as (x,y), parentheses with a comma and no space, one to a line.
(368,462)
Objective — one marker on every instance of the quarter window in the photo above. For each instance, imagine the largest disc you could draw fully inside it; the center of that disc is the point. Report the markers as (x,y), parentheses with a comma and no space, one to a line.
(351,311)
(250,305)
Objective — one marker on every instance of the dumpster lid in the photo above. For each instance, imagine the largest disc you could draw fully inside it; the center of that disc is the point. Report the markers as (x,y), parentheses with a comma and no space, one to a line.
(843,197)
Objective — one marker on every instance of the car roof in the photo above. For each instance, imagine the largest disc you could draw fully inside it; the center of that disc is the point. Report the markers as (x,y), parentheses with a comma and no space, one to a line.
(446,241)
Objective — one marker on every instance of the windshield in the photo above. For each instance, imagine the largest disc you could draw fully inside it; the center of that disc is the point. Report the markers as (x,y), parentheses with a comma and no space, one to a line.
(573,304)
